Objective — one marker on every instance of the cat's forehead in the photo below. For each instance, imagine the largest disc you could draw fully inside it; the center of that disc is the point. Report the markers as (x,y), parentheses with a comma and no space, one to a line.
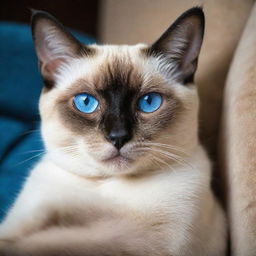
(107,66)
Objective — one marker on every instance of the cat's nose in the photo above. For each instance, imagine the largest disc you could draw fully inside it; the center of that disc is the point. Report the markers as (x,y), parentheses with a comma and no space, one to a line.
(118,137)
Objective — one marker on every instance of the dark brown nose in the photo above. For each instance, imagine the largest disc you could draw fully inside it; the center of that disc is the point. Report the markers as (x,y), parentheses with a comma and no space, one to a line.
(118,137)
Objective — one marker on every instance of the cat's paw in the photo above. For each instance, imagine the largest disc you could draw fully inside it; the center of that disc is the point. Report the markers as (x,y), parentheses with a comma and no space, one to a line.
(7,247)
(4,244)
(9,235)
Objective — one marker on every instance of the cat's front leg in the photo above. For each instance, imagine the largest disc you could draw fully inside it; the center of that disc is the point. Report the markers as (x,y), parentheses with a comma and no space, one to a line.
(29,213)
(23,219)
(4,245)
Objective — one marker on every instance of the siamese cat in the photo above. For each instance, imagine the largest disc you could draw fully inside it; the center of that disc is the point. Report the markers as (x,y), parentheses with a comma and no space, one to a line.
(124,172)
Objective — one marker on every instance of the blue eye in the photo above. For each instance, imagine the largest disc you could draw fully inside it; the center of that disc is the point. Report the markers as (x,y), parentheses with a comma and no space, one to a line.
(85,103)
(150,102)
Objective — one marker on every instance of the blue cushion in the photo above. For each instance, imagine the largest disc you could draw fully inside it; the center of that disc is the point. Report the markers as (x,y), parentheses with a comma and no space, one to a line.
(20,86)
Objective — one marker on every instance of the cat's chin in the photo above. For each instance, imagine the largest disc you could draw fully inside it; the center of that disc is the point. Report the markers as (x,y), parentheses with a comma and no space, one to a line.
(118,162)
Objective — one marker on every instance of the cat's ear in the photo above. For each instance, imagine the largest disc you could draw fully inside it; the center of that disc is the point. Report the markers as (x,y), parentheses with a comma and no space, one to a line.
(53,43)
(180,45)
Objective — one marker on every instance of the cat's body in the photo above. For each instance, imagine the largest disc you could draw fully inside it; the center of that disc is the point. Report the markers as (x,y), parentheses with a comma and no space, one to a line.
(118,180)
(172,213)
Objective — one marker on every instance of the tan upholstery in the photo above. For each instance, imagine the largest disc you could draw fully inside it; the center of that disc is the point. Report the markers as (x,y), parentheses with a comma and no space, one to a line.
(132,21)
(238,143)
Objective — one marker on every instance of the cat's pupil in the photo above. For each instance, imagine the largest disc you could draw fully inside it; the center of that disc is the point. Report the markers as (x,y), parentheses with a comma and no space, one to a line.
(148,98)
(86,100)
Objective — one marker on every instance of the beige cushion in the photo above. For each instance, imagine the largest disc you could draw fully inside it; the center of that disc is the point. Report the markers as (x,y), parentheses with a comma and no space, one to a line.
(238,143)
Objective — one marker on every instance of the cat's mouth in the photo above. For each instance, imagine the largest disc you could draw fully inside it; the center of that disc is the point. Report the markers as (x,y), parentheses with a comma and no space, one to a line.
(118,160)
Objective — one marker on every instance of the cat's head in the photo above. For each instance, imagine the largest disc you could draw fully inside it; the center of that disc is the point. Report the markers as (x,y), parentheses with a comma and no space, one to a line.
(109,110)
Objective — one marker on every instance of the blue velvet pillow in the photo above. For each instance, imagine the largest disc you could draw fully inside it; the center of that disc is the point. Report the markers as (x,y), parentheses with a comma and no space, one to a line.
(20,86)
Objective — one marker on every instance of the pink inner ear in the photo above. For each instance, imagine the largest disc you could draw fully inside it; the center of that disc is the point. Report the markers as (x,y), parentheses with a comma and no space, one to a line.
(194,47)
(51,67)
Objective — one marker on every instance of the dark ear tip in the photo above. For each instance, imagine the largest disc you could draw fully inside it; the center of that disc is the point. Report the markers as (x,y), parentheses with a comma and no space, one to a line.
(33,11)
(36,15)
(195,11)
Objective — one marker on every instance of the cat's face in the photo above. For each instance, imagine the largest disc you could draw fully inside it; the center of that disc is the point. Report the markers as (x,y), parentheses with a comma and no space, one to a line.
(110,110)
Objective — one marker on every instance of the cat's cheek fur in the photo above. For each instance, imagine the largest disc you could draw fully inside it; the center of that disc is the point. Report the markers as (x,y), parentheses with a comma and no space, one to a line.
(75,153)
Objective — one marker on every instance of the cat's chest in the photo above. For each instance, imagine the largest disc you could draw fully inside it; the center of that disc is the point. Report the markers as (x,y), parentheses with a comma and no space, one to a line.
(76,199)
(161,191)
(116,193)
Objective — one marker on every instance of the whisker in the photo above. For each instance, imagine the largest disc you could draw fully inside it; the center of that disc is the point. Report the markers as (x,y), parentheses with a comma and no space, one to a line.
(162,146)
(174,157)
(30,131)
(161,161)
(67,149)
(169,155)
(165,146)
(30,158)
(155,159)
(33,151)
